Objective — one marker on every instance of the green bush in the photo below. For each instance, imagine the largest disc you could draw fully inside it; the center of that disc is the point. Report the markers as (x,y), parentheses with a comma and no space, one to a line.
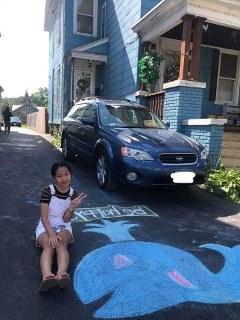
(57,140)
(149,69)
(225,183)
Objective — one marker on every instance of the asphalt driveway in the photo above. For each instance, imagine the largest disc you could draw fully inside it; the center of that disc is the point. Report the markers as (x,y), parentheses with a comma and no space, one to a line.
(156,253)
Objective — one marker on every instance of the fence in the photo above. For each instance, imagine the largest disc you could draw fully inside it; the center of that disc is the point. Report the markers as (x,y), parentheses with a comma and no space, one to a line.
(155,103)
(38,120)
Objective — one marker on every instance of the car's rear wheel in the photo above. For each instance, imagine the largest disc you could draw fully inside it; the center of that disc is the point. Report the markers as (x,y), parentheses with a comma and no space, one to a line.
(104,175)
(67,155)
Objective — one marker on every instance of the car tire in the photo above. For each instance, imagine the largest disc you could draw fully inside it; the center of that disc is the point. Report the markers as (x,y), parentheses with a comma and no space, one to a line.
(104,175)
(67,155)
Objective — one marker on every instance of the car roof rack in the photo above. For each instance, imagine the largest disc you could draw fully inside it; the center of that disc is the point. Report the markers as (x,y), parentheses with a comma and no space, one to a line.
(104,98)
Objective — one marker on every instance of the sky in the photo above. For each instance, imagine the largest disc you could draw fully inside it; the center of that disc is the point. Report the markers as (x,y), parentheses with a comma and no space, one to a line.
(23,47)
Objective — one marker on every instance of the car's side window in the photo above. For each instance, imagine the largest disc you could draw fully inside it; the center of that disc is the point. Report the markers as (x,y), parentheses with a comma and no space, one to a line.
(90,112)
(78,114)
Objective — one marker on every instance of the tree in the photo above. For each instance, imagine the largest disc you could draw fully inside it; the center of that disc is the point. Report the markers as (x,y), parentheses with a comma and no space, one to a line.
(40,97)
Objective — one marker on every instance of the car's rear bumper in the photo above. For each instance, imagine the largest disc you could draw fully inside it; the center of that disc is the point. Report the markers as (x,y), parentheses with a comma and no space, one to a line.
(154,173)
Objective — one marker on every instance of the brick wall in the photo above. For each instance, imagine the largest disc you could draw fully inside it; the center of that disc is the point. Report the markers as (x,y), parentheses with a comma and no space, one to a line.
(210,137)
(182,103)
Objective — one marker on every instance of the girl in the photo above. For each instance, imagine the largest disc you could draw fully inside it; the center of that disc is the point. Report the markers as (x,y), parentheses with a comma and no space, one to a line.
(54,232)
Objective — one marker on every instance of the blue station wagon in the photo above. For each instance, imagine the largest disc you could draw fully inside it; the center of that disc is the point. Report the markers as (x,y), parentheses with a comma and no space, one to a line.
(130,144)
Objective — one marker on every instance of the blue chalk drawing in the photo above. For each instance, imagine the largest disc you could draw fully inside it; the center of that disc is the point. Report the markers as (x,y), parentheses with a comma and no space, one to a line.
(144,277)
(116,231)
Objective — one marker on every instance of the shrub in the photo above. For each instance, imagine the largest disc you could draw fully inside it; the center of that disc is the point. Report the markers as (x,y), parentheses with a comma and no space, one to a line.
(225,183)
(57,140)
(149,69)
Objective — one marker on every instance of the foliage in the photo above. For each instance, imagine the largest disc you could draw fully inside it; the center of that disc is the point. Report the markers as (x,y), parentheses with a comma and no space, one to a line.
(57,140)
(149,69)
(225,183)
(9,102)
(40,97)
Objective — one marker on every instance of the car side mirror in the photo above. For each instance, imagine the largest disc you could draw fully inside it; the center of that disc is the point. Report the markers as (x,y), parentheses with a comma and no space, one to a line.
(167,124)
(88,121)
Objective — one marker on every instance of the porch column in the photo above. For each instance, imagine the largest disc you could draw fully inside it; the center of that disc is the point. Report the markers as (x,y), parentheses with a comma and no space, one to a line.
(145,48)
(185,47)
(196,49)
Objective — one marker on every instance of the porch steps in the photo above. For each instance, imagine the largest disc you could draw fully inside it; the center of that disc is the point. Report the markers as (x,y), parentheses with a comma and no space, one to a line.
(230,156)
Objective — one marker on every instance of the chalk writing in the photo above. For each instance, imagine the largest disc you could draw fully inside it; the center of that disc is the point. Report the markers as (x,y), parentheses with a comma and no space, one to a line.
(111,211)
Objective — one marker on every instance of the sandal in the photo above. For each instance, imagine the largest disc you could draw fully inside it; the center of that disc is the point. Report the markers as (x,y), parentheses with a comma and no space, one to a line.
(63,280)
(48,283)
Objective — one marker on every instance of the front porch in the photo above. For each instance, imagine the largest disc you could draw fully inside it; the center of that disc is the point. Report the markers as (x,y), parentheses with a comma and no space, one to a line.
(85,66)
(200,47)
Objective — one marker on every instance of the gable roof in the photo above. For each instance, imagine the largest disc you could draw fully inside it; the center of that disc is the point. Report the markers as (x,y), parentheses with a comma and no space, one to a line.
(96,51)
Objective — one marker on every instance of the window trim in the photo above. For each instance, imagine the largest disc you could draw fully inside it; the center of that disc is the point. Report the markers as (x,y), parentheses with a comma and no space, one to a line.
(236,89)
(58,87)
(95,18)
(59,36)
(103,26)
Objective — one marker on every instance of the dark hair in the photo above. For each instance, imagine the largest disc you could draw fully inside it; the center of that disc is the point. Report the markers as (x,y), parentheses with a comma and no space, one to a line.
(57,165)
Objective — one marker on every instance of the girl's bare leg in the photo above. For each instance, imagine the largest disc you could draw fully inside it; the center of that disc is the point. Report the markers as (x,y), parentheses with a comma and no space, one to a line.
(62,253)
(46,259)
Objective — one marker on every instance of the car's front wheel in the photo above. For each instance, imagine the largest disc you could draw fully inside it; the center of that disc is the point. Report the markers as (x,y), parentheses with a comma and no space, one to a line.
(67,155)
(104,175)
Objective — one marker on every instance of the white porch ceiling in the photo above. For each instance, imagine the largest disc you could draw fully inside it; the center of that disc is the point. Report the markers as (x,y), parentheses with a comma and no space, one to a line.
(168,14)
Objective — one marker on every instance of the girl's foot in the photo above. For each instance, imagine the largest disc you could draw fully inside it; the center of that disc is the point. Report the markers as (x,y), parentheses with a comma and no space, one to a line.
(48,282)
(63,280)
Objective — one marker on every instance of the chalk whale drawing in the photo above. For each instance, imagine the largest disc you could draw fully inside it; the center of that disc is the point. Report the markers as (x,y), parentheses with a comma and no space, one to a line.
(144,277)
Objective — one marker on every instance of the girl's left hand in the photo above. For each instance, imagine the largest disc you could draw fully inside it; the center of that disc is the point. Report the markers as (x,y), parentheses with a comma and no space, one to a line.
(77,201)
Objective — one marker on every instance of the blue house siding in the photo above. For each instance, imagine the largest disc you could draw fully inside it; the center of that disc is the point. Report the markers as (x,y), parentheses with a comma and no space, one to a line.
(122,67)
(147,5)
(72,40)
(55,60)
(101,49)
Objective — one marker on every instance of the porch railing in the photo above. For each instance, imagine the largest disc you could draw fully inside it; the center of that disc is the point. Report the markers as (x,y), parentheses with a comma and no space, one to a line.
(155,103)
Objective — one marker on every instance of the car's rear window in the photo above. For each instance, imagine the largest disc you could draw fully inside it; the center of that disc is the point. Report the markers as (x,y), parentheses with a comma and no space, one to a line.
(15,119)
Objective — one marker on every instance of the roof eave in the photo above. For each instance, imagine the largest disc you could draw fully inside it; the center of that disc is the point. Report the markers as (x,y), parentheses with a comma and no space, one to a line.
(167,14)
(50,7)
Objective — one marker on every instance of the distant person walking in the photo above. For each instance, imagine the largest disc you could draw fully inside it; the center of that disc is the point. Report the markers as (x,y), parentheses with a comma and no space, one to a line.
(7,114)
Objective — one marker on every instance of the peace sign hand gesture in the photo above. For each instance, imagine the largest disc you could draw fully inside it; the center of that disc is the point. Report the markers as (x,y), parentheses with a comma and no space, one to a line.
(77,201)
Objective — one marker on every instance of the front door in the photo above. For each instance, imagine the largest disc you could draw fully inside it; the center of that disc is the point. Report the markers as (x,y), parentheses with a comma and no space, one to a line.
(83,84)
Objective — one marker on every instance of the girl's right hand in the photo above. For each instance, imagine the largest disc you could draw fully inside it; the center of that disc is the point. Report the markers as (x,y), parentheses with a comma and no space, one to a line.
(54,241)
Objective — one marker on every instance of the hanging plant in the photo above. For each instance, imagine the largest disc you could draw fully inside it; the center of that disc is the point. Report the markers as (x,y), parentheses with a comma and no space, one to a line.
(149,69)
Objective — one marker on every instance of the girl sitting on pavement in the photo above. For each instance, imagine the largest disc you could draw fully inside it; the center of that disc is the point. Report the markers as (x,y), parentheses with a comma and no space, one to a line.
(54,232)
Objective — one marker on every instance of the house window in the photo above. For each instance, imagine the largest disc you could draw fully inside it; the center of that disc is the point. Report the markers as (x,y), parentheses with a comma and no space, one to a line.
(85,15)
(227,79)
(103,20)
(58,94)
(59,33)
(172,65)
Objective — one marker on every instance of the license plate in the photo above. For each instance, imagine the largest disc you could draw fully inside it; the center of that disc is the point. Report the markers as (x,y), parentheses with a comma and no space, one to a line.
(183,177)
